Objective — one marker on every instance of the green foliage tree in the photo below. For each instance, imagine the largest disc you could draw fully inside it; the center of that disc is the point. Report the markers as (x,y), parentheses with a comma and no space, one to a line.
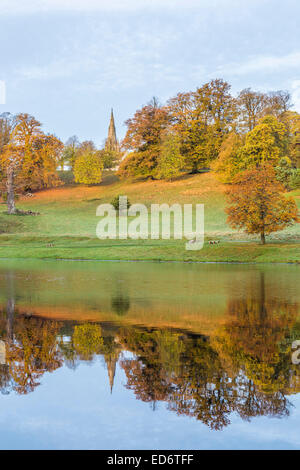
(110,158)
(284,172)
(88,167)
(69,152)
(170,161)
(294,181)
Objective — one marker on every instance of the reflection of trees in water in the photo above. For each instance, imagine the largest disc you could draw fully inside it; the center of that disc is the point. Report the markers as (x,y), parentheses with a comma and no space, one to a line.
(32,351)
(32,346)
(120,304)
(202,387)
(245,367)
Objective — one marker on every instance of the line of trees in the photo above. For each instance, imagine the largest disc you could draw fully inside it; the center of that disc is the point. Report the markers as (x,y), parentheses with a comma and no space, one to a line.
(251,142)
(209,128)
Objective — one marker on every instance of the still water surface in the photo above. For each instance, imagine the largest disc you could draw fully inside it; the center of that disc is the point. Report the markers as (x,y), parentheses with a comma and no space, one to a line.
(109,355)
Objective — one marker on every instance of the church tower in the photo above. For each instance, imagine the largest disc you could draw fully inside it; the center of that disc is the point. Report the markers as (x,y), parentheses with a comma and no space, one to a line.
(112,143)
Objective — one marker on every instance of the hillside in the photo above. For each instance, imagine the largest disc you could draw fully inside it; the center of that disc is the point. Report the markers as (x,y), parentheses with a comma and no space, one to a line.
(66,226)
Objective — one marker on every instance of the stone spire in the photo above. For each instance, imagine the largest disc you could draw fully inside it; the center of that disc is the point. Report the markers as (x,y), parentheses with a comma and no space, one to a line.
(112,143)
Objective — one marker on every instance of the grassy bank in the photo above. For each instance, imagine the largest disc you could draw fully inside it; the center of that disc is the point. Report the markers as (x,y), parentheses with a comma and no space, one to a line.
(66,228)
(94,249)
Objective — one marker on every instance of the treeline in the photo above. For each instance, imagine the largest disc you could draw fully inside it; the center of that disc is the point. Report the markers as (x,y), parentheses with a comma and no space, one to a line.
(30,159)
(210,128)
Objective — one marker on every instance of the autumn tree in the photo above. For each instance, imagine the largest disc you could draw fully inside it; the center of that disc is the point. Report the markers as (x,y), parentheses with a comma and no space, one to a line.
(266,143)
(257,205)
(202,119)
(143,140)
(170,161)
(88,166)
(277,103)
(251,106)
(28,159)
(228,163)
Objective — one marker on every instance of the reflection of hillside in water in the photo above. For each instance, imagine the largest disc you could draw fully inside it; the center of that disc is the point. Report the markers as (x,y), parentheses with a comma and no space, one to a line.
(172,295)
(244,367)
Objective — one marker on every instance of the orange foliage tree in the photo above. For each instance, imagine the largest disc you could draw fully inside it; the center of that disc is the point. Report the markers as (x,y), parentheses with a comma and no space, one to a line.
(29,158)
(143,139)
(257,204)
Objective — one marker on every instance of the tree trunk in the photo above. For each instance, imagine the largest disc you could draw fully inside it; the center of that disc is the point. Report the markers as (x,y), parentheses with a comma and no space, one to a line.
(11,207)
(263,238)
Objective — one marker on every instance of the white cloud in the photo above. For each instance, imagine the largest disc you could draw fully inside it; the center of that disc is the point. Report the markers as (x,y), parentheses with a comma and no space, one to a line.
(263,64)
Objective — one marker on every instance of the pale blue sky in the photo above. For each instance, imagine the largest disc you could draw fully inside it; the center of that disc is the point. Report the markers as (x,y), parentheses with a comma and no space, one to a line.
(68,62)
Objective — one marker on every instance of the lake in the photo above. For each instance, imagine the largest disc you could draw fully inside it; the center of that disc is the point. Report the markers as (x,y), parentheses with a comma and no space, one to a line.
(138,355)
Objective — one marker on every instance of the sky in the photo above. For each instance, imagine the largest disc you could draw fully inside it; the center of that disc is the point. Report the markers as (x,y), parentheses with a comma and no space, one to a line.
(68,62)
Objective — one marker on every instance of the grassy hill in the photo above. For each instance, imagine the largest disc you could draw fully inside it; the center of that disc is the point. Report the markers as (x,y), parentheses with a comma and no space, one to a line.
(66,226)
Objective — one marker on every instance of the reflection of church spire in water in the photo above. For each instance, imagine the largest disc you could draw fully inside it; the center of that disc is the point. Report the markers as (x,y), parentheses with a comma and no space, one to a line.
(111,362)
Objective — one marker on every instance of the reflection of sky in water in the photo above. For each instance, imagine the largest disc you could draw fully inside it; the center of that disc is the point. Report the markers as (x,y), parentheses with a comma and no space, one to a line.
(74,409)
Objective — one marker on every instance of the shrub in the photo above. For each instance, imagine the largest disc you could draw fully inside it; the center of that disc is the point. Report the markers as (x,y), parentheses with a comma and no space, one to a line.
(116,202)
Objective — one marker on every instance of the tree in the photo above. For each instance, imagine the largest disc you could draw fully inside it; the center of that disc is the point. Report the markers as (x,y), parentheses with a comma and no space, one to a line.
(202,119)
(110,158)
(170,160)
(251,105)
(143,139)
(70,151)
(291,120)
(266,143)
(88,167)
(227,164)
(277,103)
(257,204)
(28,158)
(284,172)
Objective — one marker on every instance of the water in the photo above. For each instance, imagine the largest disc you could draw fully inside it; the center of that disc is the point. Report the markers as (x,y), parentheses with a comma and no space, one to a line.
(109,355)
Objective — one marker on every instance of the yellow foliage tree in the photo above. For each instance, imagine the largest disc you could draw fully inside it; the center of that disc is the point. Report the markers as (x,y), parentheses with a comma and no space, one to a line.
(88,168)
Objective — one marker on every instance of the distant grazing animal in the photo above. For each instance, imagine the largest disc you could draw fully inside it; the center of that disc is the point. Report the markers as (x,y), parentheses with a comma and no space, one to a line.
(50,245)
(214,242)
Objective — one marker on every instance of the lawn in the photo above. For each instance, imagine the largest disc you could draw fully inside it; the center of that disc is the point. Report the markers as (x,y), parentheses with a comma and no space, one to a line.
(66,226)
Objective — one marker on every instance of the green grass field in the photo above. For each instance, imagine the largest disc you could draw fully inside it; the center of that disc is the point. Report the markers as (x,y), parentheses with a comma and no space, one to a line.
(66,226)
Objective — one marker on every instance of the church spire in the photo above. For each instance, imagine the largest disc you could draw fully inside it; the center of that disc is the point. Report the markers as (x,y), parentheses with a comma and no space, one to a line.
(112,141)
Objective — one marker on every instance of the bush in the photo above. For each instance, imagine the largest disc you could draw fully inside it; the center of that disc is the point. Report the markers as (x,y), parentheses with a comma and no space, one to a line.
(116,202)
